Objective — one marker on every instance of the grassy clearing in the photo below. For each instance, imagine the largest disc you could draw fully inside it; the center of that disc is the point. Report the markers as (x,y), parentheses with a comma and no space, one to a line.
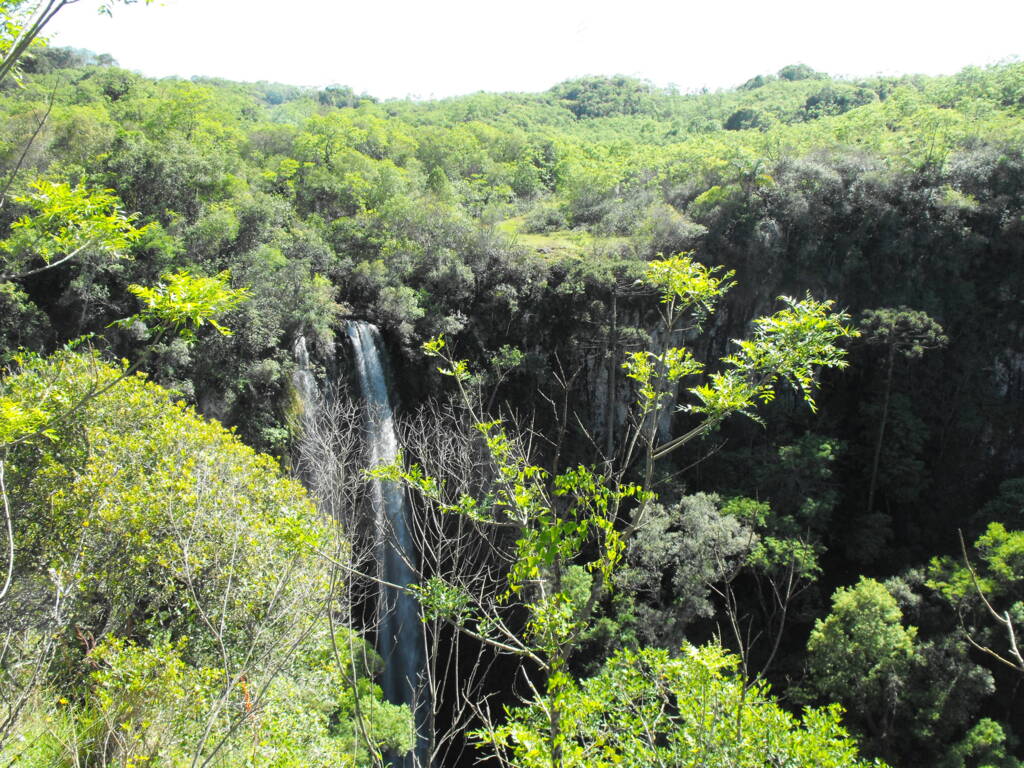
(561,243)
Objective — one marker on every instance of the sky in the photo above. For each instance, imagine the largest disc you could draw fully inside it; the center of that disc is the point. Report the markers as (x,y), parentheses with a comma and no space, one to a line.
(411,48)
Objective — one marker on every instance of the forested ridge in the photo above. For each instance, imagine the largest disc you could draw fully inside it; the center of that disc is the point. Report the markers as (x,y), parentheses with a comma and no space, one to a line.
(577,259)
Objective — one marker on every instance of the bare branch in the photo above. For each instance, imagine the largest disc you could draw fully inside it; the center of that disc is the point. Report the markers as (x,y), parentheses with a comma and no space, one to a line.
(1016,660)
(10,534)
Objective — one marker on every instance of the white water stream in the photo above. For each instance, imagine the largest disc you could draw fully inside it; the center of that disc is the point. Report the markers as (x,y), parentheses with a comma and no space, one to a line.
(398,634)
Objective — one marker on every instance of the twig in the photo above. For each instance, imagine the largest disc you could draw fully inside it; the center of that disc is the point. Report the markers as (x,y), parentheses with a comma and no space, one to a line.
(10,534)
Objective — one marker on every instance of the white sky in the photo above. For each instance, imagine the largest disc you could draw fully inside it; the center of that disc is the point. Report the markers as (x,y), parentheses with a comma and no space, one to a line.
(398,48)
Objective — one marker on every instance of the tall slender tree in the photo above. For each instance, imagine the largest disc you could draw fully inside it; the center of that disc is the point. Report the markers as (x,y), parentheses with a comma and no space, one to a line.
(898,331)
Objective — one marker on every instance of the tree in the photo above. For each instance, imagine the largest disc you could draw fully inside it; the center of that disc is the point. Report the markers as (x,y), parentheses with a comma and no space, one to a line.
(800,72)
(64,222)
(48,400)
(976,595)
(649,708)
(22,21)
(169,589)
(564,532)
(983,746)
(861,653)
(676,562)
(704,556)
(902,331)
(745,119)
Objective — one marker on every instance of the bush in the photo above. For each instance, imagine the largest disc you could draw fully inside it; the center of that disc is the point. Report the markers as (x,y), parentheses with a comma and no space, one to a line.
(649,708)
(168,596)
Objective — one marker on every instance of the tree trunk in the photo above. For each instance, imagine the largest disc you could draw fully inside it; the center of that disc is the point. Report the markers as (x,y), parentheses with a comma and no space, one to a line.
(881,429)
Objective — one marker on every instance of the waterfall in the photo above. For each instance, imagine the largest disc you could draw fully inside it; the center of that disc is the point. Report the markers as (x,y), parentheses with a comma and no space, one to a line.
(398,633)
(303,379)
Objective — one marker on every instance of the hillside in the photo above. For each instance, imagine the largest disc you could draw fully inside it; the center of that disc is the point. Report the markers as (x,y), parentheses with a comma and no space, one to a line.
(519,227)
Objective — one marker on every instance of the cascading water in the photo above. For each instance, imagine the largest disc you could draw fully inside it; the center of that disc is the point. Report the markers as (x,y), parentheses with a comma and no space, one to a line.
(399,641)
(303,379)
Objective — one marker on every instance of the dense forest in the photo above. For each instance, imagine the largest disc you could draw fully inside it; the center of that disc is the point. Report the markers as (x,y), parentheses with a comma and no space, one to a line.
(708,407)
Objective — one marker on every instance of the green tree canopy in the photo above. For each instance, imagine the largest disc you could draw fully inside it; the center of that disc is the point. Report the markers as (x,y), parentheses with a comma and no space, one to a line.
(648,707)
(861,653)
(153,551)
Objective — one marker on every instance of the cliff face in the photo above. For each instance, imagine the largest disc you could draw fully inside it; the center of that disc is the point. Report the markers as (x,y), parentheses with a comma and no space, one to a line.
(835,226)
